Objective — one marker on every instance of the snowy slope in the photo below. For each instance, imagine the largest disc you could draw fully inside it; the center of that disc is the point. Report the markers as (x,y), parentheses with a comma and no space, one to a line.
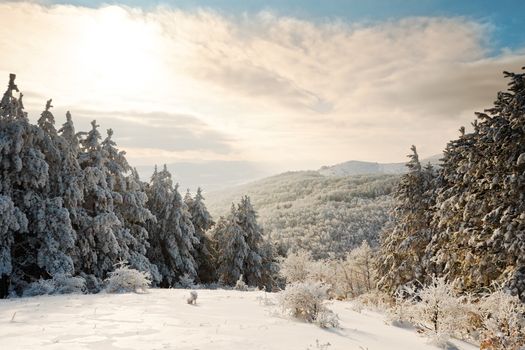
(161,319)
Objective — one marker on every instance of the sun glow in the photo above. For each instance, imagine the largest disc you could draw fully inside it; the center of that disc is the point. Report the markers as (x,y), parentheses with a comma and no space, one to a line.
(121,53)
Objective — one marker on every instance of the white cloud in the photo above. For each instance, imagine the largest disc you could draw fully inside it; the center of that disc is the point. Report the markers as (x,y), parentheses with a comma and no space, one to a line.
(258,87)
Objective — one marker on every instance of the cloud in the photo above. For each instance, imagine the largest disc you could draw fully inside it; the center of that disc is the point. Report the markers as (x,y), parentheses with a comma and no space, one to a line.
(291,92)
(170,132)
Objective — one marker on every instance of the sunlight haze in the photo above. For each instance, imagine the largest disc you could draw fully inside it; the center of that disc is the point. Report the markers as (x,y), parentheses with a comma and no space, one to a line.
(278,92)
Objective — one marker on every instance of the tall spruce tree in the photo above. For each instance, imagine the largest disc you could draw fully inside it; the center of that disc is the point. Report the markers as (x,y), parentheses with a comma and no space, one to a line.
(98,248)
(481,203)
(172,237)
(51,222)
(241,248)
(202,222)
(33,188)
(71,173)
(247,220)
(232,249)
(129,207)
(404,243)
(12,220)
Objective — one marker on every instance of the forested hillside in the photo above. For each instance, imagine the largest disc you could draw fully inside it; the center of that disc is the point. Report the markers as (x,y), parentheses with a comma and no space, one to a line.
(325,215)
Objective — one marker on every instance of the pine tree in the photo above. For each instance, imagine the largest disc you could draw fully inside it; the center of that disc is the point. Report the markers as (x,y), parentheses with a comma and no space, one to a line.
(12,220)
(482,199)
(403,247)
(232,249)
(247,220)
(129,207)
(98,248)
(172,238)
(33,187)
(135,215)
(71,172)
(202,222)
(51,222)
(184,235)
(241,248)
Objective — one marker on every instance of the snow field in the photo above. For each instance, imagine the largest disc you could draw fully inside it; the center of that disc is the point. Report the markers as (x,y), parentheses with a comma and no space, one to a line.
(161,319)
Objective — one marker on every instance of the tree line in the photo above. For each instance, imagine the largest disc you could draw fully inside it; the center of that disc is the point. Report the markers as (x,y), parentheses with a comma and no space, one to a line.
(72,206)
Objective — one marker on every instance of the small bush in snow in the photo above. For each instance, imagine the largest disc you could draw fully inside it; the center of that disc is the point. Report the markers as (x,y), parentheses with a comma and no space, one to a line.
(124,279)
(503,322)
(193,298)
(439,313)
(186,281)
(67,284)
(59,284)
(240,285)
(327,319)
(40,287)
(304,301)
(404,300)
(296,266)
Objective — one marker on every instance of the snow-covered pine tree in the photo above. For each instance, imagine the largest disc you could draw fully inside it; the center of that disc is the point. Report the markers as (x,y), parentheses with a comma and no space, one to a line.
(72,175)
(135,215)
(481,203)
(11,220)
(130,208)
(184,235)
(51,145)
(172,238)
(159,197)
(232,249)
(270,266)
(403,246)
(247,220)
(34,187)
(98,248)
(16,144)
(202,222)
(50,222)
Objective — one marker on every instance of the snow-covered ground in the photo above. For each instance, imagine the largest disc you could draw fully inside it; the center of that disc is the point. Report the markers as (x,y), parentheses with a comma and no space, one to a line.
(161,319)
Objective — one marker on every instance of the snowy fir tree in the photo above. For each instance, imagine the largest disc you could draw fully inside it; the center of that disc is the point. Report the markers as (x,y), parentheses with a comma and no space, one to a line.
(202,222)
(12,220)
(130,208)
(241,248)
(33,186)
(172,237)
(232,249)
(247,220)
(466,222)
(481,203)
(99,229)
(403,248)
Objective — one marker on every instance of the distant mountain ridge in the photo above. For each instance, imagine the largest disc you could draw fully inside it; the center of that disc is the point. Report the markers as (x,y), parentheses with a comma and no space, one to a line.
(355,167)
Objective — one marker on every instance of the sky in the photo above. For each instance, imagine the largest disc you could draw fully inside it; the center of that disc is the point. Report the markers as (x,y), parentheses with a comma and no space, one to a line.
(275,85)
